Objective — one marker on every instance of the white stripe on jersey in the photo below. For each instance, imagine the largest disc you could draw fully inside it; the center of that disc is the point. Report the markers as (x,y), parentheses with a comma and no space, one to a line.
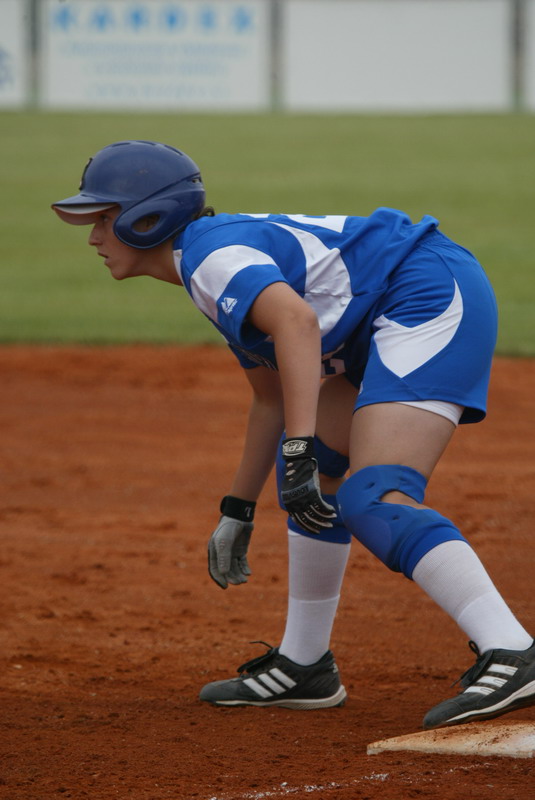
(327,286)
(403,349)
(211,277)
(330,222)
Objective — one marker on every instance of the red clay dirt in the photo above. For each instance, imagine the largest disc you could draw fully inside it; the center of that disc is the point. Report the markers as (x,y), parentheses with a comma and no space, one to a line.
(113,464)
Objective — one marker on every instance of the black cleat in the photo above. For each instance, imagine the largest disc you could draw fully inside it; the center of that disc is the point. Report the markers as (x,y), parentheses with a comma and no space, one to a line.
(274,680)
(500,681)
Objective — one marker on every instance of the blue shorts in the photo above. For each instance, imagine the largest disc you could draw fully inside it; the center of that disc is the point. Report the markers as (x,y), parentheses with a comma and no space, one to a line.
(431,335)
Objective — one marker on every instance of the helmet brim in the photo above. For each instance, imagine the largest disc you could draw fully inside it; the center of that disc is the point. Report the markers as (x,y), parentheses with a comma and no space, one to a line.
(80,210)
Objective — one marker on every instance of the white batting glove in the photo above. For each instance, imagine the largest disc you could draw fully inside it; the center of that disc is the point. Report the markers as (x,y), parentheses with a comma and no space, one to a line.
(227,547)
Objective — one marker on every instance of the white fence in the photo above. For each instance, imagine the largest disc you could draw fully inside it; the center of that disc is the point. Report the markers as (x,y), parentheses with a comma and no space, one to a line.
(528,93)
(391,55)
(15,52)
(255,55)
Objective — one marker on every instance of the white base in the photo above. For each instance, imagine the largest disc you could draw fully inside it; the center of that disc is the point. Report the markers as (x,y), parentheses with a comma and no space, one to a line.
(513,739)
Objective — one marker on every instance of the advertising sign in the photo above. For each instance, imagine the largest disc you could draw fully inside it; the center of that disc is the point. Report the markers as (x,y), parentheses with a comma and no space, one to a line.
(14,25)
(185,55)
(528,76)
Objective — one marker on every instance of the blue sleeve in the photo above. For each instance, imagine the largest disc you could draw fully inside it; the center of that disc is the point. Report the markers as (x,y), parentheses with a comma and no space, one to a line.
(226,263)
(243,359)
(235,301)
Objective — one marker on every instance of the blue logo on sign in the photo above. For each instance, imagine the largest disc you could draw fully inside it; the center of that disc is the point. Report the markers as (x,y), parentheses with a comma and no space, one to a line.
(174,18)
(101,20)
(137,18)
(208,17)
(242,19)
(64,18)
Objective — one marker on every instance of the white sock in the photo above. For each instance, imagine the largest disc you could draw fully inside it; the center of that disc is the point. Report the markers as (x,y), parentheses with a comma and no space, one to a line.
(454,577)
(315,573)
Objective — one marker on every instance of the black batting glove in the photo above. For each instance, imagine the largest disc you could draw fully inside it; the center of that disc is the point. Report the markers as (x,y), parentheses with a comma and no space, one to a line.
(300,491)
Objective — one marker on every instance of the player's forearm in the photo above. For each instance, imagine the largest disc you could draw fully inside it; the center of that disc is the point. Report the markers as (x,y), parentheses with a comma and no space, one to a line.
(264,429)
(298,349)
(293,326)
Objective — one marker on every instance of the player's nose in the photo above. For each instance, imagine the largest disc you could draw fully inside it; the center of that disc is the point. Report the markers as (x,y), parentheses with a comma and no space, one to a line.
(94,238)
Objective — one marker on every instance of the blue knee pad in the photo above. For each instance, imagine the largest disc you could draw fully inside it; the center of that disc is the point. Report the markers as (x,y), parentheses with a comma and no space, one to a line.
(330,463)
(398,535)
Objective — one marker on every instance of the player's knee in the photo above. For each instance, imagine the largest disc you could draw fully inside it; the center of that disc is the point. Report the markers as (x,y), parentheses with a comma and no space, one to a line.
(329,485)
(397,533)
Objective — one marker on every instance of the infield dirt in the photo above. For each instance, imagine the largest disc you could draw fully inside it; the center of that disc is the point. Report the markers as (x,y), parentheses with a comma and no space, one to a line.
(113,464)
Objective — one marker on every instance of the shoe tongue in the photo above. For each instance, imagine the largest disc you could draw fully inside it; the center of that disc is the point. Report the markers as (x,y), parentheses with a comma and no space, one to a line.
(256,662)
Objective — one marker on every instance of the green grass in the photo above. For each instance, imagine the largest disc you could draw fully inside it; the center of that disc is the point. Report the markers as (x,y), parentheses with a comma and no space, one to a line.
(475,173)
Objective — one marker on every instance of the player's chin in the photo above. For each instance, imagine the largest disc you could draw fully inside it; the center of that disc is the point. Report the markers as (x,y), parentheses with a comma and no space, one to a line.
(118,273)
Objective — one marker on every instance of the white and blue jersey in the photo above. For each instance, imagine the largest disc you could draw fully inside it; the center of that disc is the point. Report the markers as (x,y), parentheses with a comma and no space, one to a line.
(339,265)
(367,283)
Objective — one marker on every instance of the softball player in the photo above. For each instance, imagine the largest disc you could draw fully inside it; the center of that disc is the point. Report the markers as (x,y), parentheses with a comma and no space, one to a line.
(366,340)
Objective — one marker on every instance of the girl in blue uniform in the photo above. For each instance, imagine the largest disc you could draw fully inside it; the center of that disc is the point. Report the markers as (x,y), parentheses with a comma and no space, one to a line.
(366,341)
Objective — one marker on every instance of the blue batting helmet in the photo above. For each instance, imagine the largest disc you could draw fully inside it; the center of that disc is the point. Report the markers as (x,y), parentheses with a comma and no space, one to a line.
(143,178)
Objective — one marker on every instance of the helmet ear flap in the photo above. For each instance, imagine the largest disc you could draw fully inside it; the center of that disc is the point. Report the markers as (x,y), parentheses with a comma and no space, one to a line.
(127,229)
(171,216)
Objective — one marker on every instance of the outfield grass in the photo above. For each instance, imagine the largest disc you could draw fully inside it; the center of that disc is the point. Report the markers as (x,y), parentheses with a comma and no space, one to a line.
(475,173)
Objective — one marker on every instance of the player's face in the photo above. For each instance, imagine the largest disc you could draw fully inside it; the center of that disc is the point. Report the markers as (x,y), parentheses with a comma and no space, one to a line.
(122,261)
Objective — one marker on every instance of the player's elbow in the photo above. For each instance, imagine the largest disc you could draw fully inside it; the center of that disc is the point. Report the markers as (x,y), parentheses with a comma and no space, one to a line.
(281,313)
(302,321)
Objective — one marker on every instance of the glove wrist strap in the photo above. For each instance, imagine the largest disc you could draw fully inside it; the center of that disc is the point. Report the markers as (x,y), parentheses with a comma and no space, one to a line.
(301,447)
(237,508)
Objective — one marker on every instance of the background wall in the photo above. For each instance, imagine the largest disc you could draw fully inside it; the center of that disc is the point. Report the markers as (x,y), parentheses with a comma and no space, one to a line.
(305,136)
(16,25)
(314,55)
(156,54)
(391,55)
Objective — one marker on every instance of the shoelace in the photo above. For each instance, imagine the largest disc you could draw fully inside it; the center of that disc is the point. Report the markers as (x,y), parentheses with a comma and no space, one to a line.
(259,660)
(472,673)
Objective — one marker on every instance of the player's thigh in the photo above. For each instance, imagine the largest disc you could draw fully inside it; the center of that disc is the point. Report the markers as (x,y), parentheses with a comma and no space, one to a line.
(393,433)
(335,411)
(336,403)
